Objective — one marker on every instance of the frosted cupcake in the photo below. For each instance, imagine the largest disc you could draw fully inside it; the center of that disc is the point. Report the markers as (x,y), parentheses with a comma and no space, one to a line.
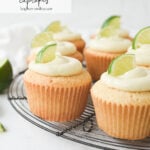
(110,42)
(63,33)
(122,104)
(57,89)
(64,48)
(101,51)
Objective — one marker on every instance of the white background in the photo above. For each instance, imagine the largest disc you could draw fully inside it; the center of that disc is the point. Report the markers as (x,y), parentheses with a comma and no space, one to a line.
(86,16)
(13,6)
(89,14)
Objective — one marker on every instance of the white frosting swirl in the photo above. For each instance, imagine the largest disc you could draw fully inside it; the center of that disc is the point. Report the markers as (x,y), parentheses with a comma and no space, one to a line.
(137,79)
(65,48)
(131,50)
(66,35)
(60,66)
(122,33)
(111,44)
(142,55)
(119,32)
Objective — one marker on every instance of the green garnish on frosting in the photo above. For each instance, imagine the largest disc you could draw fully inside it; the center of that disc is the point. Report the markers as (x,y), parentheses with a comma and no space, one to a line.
(113,21)
(54,27)
(108,31)
(142,37)
(47,54)
(41,39)
(121,65)
(110,26)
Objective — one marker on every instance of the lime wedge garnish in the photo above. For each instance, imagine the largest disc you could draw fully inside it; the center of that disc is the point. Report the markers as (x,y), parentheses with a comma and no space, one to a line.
(107,31)
(142,37)
(110,26)
(41,39)
(54,27)
(47,54)
(121,64)
(6,74)
(113,21)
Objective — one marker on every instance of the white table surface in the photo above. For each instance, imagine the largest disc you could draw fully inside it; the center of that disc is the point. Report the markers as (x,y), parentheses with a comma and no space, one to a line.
(86,15)
(22,135)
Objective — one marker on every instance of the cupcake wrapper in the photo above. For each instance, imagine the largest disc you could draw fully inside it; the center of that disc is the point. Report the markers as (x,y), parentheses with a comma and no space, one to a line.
(123,121)
(97,64)
(57,103)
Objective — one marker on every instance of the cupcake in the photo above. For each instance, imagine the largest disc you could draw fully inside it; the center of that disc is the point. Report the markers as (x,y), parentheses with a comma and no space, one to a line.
(101,51)
(57,89)
(141,47)
(110,42)
(113,22)
(63,33)
(64,48)
(122,103)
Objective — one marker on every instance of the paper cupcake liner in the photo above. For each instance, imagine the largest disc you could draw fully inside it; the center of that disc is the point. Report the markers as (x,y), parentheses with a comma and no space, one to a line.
(98,63)
(123,121)
(57,103)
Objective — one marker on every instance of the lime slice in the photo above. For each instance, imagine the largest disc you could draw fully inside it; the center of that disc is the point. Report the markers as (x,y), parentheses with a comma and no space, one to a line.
(142,37)
(113,21)
(41,39)
(121,65)
(107,31)
(6,74)
(2,128)
(47,54)
(54,27)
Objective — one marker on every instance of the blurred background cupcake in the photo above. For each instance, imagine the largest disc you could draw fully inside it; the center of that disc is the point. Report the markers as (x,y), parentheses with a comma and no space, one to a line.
(63,33)
(107,45)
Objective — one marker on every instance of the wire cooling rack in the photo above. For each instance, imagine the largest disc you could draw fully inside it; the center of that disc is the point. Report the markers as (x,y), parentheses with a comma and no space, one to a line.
(83,130)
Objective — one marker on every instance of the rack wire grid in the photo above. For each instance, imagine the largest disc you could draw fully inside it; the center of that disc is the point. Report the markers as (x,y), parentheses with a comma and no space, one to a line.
(83,130)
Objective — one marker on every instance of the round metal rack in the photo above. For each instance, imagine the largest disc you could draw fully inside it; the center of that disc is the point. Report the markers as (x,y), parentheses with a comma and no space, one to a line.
(83,130)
